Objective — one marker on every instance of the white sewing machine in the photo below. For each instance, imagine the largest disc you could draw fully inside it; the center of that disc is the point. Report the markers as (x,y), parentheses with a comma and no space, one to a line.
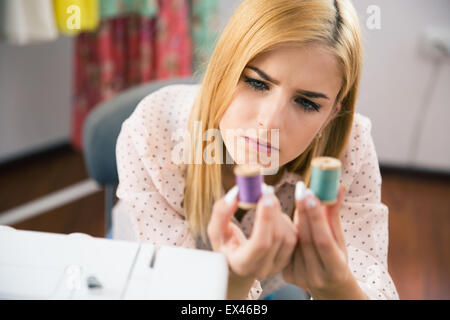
(38,265)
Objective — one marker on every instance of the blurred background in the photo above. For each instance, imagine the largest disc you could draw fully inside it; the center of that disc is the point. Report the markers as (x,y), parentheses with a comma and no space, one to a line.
(52,76)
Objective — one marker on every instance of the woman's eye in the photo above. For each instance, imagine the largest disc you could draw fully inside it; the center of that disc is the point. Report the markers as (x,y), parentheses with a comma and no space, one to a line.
(307,105)
(256,84)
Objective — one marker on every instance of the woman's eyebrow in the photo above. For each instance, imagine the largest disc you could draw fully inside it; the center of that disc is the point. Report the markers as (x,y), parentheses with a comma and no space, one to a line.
(309,94)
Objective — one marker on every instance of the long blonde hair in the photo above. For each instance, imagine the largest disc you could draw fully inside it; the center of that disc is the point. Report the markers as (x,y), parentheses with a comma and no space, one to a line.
(256,26)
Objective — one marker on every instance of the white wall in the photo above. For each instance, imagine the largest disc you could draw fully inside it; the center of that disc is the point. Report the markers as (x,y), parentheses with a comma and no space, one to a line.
(227,8)
(35,95)
(409,121)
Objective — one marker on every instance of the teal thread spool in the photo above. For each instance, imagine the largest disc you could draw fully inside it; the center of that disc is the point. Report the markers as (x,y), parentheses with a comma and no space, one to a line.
(325,175)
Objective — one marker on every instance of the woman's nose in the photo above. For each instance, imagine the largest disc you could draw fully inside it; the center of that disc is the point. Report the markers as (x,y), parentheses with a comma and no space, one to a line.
(272,113)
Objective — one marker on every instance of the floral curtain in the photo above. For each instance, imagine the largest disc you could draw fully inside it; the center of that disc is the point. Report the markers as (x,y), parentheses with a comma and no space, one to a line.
(138,41)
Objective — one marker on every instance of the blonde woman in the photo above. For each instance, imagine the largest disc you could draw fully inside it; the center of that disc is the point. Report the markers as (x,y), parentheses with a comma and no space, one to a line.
(290,68)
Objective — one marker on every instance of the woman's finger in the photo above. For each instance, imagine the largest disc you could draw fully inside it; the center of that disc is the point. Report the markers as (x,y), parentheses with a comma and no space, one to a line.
(288,243)
(322,238)
(295,272)
(221,215)
(335,220)
(267,263)
(313,265)
(260,239)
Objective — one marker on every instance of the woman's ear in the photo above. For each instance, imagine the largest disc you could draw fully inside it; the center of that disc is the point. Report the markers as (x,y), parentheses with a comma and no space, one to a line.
(334,114)
(337,109)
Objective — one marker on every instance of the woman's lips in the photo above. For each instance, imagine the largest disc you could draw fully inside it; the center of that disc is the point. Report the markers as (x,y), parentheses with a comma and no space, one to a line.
(260,147)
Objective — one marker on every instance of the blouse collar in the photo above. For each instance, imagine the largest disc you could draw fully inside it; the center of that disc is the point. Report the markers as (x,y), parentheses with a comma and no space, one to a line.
(288,177)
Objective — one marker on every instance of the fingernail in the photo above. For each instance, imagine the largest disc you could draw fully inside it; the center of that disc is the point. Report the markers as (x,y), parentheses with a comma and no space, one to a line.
(310,202)
(301,192)
(231,195)
(267,192)
(300,189)
(268,200)
(266,189)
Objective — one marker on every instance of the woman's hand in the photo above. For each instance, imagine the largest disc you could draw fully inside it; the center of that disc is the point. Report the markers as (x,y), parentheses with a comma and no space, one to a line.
(319,263)
(272,241)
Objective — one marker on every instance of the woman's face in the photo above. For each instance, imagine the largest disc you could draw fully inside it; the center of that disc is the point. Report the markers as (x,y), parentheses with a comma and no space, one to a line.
(291,90)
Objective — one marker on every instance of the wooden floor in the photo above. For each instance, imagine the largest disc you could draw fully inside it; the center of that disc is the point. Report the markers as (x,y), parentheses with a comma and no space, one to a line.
(419,206)
(419,232)
(33,177)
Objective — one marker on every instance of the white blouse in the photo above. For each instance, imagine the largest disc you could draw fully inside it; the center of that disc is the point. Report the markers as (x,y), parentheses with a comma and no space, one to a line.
(151,191)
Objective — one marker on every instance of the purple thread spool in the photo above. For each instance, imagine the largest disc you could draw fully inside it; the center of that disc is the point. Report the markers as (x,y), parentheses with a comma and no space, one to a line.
(249,180)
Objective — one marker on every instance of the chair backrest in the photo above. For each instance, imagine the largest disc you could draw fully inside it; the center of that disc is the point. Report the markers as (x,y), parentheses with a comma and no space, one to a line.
(102,127)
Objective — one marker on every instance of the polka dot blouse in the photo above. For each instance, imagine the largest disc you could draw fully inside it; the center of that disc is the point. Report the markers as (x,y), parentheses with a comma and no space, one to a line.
(151,187)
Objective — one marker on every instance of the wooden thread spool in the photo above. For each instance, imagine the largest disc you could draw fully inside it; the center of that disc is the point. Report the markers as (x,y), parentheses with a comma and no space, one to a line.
(249,181)
(325,175)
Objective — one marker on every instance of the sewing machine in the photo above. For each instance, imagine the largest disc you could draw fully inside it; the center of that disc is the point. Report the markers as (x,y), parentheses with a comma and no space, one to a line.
(38,265)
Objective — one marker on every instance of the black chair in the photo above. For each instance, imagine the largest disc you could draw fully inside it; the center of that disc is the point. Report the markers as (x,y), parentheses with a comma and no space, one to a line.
(100,131)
